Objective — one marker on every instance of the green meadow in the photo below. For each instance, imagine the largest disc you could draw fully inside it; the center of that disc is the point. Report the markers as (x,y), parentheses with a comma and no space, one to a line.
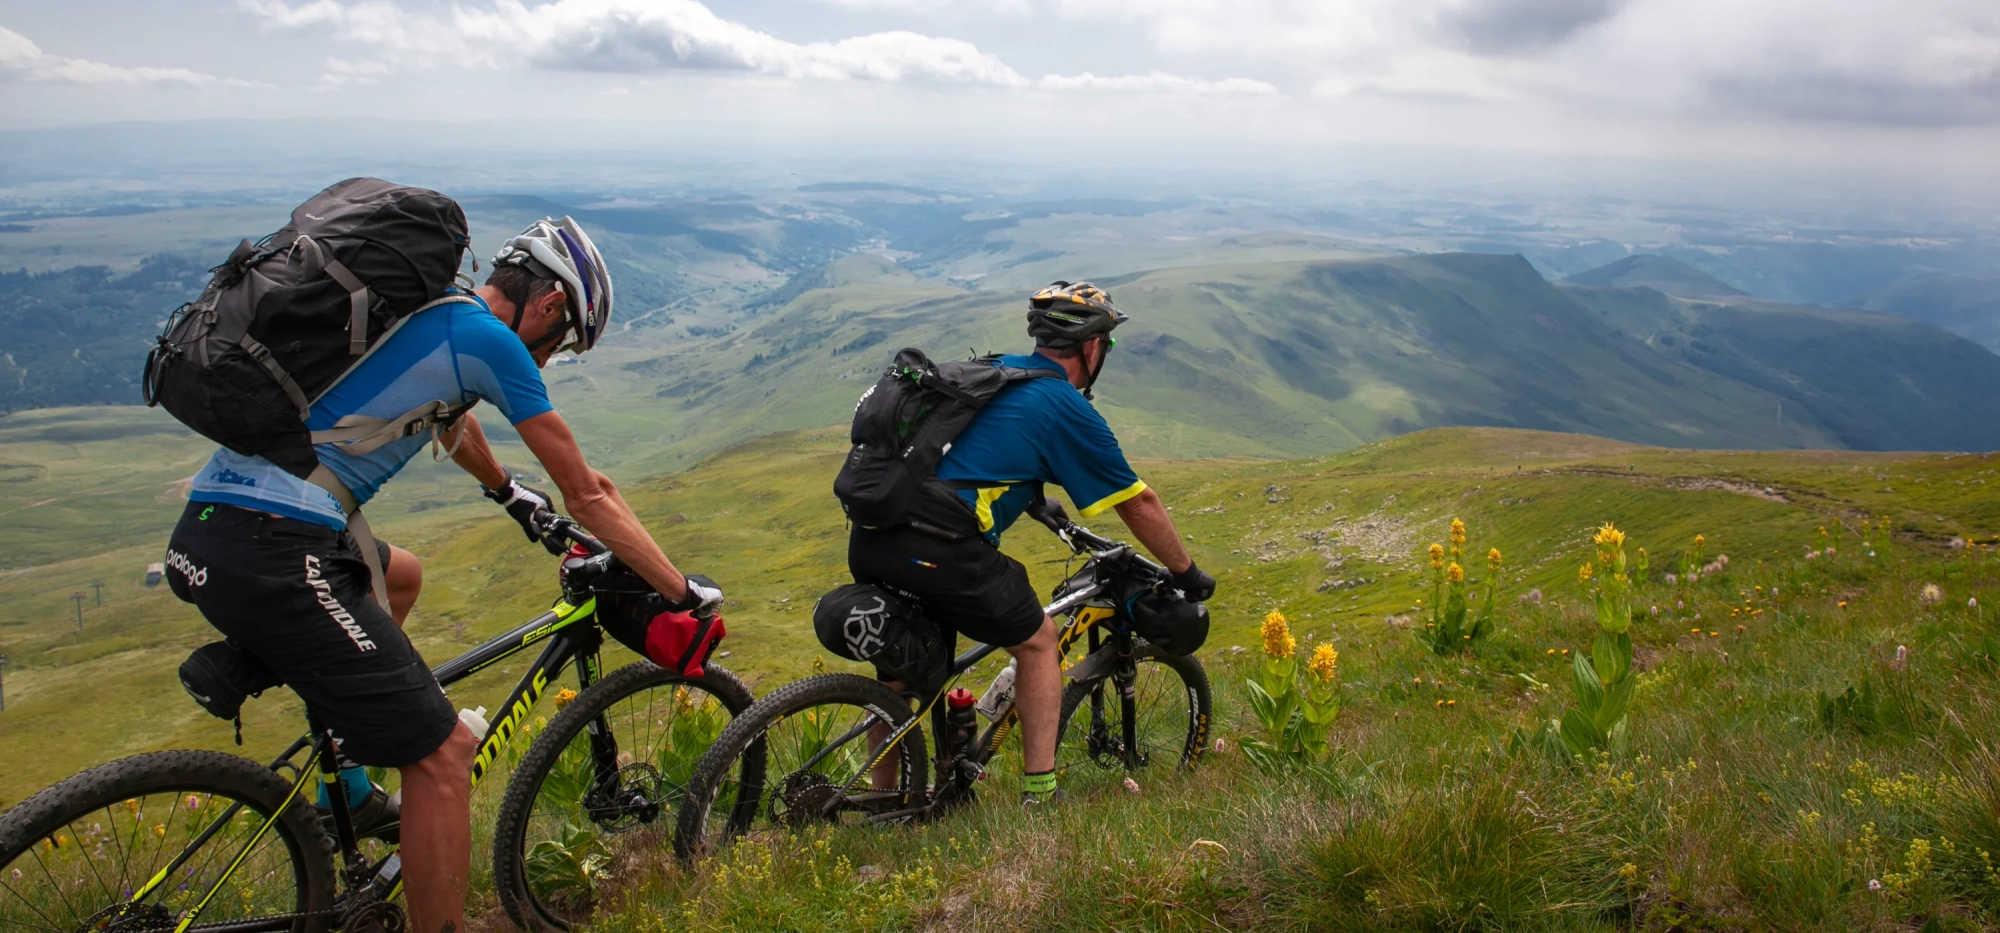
(1755,790)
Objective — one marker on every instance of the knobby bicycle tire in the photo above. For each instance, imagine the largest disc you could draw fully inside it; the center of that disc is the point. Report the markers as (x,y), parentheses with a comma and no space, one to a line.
(510,842)
(1194,687)
(750,729)
(76,799)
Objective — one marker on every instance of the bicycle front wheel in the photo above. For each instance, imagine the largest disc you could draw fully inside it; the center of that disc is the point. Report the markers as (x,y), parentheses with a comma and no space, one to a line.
(822,741)
(135,845)
(598,786)
(1163,727)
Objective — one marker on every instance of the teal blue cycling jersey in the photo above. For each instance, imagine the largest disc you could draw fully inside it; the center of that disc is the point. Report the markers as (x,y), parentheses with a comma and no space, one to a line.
(456,353)
(1034,432)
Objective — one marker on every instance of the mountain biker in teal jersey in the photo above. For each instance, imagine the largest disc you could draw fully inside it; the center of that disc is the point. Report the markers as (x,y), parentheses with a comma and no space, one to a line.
(269,559)
(1034,432)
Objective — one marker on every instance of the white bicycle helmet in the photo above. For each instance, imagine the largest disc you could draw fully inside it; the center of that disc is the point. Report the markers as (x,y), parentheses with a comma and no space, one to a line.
(559,249)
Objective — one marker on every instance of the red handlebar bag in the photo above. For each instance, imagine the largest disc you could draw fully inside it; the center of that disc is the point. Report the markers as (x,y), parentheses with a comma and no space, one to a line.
(682,641)
(637,617)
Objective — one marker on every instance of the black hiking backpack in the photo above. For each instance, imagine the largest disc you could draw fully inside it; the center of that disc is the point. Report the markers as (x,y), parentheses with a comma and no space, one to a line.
(903,426)
(283,319)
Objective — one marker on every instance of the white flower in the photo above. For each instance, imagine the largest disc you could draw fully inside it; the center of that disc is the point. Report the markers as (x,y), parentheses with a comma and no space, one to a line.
(1972,602)
(1220,746)
(1930,594)
(1874,884)
(1132,785)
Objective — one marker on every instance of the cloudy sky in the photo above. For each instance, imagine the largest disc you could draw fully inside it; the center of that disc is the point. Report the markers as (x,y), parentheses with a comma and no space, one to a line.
(1908,79)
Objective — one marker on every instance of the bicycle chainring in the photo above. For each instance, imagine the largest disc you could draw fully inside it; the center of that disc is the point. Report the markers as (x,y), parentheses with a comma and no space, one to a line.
(144,918)
(805,796)
(630,800)
(375,917)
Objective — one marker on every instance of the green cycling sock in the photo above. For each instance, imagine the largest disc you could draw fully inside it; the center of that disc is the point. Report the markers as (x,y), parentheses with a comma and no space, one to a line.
(1041,785)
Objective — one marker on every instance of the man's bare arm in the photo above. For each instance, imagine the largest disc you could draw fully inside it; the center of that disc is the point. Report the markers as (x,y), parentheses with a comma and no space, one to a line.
(1147,516)
(467,442)
(590,498)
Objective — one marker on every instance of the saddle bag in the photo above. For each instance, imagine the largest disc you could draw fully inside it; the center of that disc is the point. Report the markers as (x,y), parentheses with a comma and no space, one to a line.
(864,622)
(220,676)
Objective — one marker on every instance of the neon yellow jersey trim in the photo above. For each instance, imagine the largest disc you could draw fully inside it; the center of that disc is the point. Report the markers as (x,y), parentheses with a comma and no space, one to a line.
(1097,508)
(984,505)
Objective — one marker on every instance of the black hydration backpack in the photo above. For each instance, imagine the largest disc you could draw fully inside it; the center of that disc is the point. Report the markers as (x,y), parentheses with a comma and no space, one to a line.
(902,427)
(286,317)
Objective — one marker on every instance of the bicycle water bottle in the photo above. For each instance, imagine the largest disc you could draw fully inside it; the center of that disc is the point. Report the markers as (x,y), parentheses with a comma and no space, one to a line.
(999,694)
(960,722)
(475,720)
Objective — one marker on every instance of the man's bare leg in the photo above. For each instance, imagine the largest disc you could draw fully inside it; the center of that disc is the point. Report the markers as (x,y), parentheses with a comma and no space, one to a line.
(1038,697)
(437,835)
(405,578)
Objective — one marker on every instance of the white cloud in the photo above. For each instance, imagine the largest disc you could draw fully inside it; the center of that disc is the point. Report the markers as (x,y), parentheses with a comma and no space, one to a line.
(932,6)
(1915,61)
(1155,82)
(22,60)
(639,36)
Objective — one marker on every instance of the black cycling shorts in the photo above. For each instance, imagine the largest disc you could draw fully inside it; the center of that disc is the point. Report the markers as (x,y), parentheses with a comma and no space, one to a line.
(297,596)
(967,586)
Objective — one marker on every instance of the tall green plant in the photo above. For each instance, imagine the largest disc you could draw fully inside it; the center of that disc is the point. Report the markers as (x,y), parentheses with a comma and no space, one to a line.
(1295,717)
(1448,632)
(1603,681)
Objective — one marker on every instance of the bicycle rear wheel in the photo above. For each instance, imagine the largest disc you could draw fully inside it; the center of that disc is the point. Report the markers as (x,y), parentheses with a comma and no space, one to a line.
(1170,705)
(821,738)
(133,845)
(568,823)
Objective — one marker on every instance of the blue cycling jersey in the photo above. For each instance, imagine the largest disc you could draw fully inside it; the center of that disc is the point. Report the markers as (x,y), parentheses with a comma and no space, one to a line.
(456,353)
(1035,432)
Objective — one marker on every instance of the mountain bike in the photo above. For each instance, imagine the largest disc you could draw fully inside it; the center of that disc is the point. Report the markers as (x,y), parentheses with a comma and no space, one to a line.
(843,748)
(179,841)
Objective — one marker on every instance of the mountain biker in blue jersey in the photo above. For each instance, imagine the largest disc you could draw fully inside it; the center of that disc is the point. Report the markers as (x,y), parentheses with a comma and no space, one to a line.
(1033,432)
(270,560)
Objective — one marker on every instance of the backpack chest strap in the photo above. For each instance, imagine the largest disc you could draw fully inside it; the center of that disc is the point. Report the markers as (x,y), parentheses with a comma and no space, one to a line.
(361,434)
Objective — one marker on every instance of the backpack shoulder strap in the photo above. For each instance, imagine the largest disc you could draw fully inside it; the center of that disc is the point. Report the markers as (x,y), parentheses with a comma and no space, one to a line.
(394,326)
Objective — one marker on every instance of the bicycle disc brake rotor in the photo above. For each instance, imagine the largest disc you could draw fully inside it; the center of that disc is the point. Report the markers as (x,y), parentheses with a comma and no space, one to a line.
(805,797)
(631,799)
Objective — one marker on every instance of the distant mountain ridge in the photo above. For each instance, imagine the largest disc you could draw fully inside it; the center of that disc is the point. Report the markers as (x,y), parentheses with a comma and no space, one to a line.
(1666,274)
(1290,358)
(1965,305)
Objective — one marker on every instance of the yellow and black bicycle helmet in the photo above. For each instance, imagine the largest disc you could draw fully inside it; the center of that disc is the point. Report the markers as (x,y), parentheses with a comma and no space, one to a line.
(1064,314)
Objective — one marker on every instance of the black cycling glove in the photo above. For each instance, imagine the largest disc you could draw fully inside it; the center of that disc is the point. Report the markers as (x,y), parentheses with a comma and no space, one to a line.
(1194,583)
(522,502)
(702,593)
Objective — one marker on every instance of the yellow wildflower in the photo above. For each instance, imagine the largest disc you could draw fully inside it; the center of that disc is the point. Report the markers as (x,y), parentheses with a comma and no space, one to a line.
(1454,573)
(1457,533)
(1325,663)
(564,696)
(1278,641)
(1584,572)
(1700,542)
(1437,556)
(1493,558)
(1608,537)
(1629,873)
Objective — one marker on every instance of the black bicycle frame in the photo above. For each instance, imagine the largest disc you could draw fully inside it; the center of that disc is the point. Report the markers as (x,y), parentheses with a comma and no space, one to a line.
(570,639)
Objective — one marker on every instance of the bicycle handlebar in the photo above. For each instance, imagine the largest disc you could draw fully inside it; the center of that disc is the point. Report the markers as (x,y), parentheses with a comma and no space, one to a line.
(558,532)
(1080,539)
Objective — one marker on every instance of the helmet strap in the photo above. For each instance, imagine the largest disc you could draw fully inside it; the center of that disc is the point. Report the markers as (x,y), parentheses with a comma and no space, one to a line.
(1095,370)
